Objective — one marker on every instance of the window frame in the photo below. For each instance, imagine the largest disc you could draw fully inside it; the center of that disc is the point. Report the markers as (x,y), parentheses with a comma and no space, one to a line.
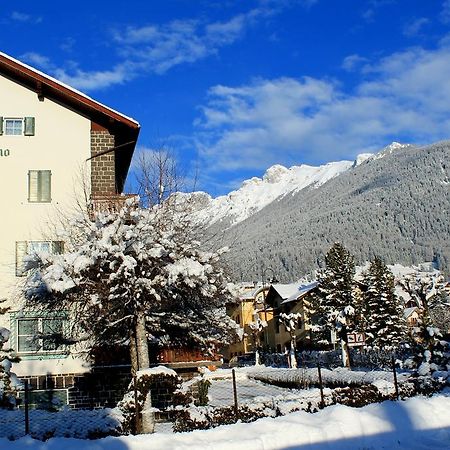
(40,352)
(40,197)
(56,248)
(13,119)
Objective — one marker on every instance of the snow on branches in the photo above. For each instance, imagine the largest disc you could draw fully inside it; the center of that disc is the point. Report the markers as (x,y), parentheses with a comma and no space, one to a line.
(136,260)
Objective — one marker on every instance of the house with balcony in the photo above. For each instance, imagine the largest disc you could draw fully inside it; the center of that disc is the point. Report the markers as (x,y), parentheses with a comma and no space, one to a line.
(294,298)
(59,148)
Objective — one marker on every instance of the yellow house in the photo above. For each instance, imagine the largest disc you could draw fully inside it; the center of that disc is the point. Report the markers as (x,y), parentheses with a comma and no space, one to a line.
(290,298)
(266,303)
(247,311)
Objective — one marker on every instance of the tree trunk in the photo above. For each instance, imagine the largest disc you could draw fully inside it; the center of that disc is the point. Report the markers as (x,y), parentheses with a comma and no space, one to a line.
(344,347)
(141,342)
(140,360)
(133,353)
(292,353)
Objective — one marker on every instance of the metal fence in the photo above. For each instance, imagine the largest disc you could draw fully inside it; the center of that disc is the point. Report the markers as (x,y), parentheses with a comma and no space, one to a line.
(221,397)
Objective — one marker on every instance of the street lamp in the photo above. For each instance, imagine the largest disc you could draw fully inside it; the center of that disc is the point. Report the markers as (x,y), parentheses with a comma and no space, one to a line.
(271,280)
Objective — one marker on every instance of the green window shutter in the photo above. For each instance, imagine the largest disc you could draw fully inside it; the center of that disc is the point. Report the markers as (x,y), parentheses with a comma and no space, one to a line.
(1,126)
(57,247)
(21,251)
(29,126)
(33,177)
(39,186)
(45,185)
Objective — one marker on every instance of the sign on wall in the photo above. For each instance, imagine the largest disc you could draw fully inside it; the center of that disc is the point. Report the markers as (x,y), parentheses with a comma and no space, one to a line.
(356,339)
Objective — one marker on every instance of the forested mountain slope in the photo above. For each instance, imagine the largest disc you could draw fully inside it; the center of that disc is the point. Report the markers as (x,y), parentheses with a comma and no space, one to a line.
(395,204)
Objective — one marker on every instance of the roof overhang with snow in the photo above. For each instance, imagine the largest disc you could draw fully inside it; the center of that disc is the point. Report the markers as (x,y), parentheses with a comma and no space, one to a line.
(125,129)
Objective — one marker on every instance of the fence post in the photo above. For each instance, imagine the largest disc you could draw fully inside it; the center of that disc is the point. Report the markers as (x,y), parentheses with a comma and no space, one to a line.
(137,417)
(395,378)
(322,402)
(27,416)
(236,409)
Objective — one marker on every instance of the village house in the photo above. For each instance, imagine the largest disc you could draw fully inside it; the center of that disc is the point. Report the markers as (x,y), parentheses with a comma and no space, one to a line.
(291,298)
(267,303)
(58,148)
(245,312)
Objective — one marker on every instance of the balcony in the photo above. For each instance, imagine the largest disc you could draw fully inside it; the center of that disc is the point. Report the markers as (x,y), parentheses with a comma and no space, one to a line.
(108,203)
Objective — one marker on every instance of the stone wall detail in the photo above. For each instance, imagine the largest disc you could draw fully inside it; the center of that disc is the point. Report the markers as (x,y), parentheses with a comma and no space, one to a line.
(103,174)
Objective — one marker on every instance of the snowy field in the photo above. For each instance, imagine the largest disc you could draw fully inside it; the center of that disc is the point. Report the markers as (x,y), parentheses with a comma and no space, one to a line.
(417,423)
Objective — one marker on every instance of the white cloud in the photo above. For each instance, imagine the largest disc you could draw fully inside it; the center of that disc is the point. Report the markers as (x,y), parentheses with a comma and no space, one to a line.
(352,62)
(415,27)
(403,96)
(445,11)
(22,17)
(38,60)
(93,80)
(158,48)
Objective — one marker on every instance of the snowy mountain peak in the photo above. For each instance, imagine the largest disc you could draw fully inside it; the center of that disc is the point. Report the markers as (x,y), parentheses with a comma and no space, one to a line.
(256,193)
(275,173)
(393,147)
(361,158)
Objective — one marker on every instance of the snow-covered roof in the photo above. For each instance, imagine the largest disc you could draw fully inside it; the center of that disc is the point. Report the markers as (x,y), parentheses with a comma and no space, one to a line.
(20,69)
(408,311)
(286,290)
(301,291)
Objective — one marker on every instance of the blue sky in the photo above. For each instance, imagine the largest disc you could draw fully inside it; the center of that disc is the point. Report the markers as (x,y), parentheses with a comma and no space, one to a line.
(233,87)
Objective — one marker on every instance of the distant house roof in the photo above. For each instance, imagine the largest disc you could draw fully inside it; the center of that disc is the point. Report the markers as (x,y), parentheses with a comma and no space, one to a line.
(124,128)
(302,291)
(408,311)
(289,292)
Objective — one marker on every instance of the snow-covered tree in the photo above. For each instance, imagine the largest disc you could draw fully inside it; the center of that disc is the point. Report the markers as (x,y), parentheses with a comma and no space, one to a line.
(335,288)
(134,276)
(426,289)
(382,311)
(7,379)
(335,300)
(291,321)
(257,327)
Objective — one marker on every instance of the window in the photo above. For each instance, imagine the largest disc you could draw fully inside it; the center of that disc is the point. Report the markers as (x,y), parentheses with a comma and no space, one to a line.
(20,126)
(13,127)
(39,186)
(39,334)
(24,248)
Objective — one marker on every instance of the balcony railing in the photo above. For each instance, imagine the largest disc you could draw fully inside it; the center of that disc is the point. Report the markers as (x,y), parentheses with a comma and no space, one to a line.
(108,203)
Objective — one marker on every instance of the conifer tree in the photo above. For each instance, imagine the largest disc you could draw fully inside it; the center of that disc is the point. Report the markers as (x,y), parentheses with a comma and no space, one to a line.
(335,301)
(427,290)
(384,323)
(335,292)
(7,378)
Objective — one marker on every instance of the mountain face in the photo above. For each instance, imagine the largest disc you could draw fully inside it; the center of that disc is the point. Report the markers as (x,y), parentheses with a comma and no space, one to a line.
(394,204)
(257,193)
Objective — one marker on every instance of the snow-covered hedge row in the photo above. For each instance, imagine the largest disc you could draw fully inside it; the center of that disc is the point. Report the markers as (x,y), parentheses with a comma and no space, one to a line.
(305,377)
(81,424)
(205,417)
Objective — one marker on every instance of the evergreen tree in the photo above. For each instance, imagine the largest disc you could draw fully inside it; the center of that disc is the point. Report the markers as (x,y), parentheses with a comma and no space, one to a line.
(7,397)
(384,323)
(335,301)
(427,290)
(136,275)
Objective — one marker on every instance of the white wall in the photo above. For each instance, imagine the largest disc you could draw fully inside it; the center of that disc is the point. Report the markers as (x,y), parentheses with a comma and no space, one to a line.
(61,144)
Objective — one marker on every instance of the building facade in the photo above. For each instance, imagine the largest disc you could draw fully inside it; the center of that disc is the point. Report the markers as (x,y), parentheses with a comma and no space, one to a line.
(58,149)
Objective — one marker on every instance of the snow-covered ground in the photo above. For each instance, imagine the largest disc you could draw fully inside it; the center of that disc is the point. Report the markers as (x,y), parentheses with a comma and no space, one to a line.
(417,423)
(252,391)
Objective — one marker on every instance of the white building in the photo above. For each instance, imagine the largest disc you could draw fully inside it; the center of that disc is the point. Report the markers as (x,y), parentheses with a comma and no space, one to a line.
(52,139)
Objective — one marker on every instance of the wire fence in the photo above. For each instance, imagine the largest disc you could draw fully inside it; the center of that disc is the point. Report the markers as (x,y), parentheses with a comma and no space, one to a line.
(221,397)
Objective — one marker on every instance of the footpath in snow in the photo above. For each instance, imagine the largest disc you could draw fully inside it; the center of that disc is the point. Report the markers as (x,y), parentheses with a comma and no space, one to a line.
(416,423)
